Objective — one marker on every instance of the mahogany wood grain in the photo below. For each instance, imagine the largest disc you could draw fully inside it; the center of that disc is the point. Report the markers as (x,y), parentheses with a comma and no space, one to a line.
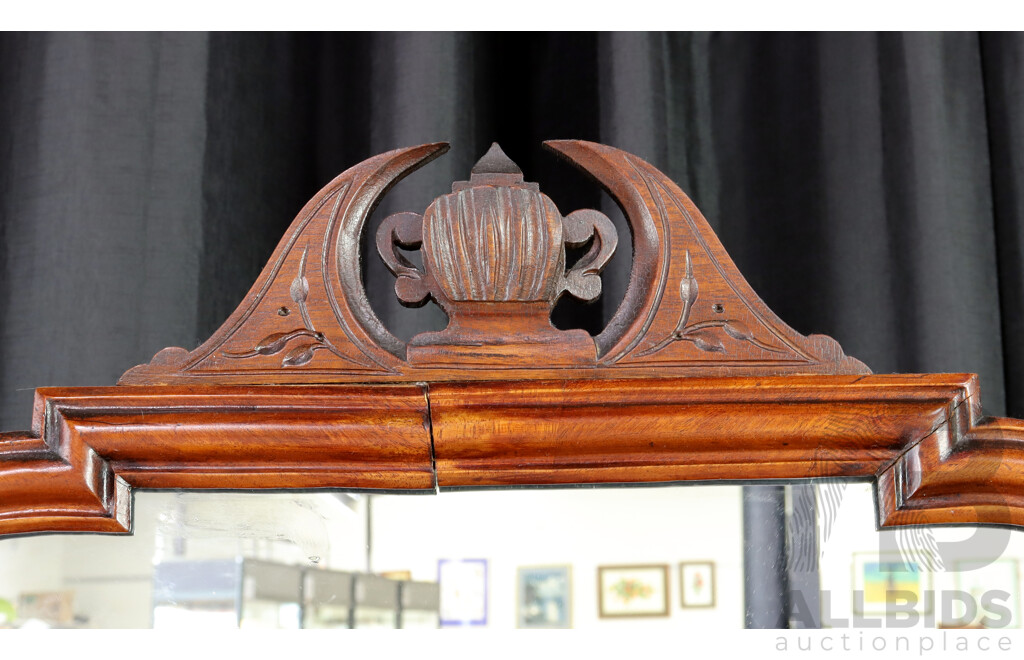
(90,446)
(935,459)
(795,427)
(970,471)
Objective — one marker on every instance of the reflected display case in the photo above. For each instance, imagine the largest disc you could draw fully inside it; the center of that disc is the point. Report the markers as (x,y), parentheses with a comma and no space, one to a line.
(228,593)
(420,605)
(375,602)
(327,599)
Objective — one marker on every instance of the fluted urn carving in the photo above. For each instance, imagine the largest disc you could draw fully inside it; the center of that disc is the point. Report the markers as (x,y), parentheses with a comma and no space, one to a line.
(490,244)
(494,259)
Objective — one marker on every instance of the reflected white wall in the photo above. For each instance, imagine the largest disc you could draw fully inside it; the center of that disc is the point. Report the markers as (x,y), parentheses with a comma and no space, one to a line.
(583,528)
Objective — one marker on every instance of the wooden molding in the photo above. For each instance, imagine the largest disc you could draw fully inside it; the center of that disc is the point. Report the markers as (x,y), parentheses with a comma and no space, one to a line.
(90,446)
(921,436)
(694,378)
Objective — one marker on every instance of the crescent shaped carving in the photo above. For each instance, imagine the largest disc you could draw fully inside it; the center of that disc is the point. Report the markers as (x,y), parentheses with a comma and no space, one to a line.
(345,232)
(326,326)
(650,241)
(657,323)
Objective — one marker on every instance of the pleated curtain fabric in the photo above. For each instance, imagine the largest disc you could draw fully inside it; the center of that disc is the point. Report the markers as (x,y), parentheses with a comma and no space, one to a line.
(868,185)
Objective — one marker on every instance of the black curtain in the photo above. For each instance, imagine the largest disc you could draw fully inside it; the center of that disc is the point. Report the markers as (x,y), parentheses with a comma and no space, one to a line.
(868,185)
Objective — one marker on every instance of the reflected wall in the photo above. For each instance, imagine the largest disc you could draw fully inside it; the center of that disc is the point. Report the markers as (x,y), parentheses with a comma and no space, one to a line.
(541,551)
(644,558)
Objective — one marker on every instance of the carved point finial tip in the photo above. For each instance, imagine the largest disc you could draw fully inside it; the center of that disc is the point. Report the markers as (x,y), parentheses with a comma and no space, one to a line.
(496,162)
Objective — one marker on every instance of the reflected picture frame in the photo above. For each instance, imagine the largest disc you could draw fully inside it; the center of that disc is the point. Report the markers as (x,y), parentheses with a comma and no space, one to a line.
(632,591)
(697,584)
(463,584)
(879,579)
(544,596)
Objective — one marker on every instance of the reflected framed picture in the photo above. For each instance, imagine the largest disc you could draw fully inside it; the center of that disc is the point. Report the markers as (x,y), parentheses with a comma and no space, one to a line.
(403,576)
(52,607)
(632,590)
(697,583)
(463,584)
(544,597)
(994,591)
(889,584)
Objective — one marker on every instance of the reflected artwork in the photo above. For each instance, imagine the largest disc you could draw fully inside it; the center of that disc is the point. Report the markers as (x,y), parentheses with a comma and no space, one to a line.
(545,597)
(633,590)
(697,583)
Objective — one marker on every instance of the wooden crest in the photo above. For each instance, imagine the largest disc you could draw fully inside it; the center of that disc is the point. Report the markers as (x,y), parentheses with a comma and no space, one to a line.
(494,258)
(693,379)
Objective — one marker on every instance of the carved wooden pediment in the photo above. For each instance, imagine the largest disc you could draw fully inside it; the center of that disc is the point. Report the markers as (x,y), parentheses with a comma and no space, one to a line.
(494,259)
(693,379)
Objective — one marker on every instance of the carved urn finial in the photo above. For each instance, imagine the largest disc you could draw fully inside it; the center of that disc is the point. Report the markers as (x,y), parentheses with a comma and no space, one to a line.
(494,260)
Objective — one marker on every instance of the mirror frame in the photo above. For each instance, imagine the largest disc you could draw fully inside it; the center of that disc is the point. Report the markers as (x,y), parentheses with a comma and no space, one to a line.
(694,379)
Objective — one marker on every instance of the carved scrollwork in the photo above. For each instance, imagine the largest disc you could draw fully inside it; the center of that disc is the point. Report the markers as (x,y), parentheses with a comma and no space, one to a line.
(584,279)
(404,230)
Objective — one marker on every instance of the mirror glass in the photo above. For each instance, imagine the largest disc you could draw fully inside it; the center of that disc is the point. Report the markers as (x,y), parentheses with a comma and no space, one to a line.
(936,577)
(588,558)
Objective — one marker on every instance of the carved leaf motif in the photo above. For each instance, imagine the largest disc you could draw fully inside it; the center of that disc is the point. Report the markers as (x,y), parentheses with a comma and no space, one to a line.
(706,341)
(688,292)
(273,343)
(299,289)
(278,341)
(738,330)
(299,355)
(700,334)
(688,285)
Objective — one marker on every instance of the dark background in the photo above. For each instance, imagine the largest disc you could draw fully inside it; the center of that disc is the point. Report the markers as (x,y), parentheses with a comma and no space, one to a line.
(868,185)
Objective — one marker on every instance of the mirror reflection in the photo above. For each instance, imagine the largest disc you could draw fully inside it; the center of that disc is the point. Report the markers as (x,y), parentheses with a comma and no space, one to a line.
(936,577)
(650,557)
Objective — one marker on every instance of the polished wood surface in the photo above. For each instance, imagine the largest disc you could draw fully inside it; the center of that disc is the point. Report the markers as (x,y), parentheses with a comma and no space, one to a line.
(693,380)
(936,459)
(796,427)
(90,446)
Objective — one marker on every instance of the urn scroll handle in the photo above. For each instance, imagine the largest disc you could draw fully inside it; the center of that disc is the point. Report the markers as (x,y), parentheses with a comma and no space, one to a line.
(404,230)
(583,280)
